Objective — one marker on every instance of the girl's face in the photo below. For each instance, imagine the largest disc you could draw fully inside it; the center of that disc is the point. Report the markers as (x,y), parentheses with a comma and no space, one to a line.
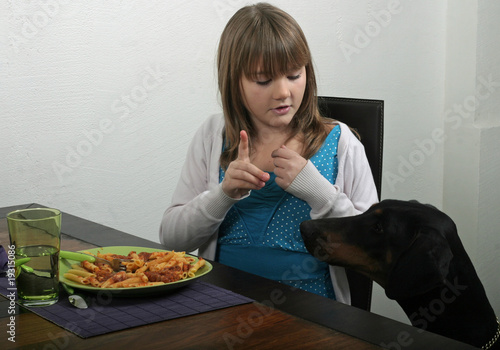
(272,102)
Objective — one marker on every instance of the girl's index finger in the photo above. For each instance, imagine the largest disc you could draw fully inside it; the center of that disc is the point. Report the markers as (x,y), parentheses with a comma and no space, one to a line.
(243,152)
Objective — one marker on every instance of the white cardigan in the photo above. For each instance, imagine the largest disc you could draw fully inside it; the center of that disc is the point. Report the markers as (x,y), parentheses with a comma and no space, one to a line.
(199,205)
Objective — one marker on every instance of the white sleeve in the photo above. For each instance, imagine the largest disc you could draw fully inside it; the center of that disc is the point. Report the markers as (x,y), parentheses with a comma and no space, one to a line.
(353,192)
(325,199)
(197,208)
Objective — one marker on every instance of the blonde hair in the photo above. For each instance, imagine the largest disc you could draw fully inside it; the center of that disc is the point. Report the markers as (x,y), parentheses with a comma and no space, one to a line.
(263,36)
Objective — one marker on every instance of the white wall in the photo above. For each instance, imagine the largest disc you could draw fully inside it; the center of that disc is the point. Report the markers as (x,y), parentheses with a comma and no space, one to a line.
(472,125)
(99,100)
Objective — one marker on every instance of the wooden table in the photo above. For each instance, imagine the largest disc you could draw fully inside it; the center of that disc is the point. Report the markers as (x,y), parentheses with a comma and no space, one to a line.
(280,318)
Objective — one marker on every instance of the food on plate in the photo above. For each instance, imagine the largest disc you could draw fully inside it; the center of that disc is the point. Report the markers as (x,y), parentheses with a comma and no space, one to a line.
(143,269)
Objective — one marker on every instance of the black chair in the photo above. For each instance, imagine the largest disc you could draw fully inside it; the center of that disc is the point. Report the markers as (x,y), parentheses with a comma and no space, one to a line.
(367,118)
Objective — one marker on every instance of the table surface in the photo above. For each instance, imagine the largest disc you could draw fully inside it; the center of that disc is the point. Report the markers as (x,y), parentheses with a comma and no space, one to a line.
(280,317)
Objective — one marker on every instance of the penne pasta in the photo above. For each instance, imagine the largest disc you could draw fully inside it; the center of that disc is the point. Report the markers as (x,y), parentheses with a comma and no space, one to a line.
(89,266)
(94,282)
(144,269)
(77,267)
(75,278)
(82,273)
(147,284)
(126,283)
(195,267)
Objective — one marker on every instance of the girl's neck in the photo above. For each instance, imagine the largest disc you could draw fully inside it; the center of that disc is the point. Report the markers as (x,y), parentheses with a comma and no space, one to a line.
(266,143)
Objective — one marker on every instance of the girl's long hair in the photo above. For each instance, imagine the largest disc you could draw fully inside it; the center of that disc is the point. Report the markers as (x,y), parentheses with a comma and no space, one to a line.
(264,37)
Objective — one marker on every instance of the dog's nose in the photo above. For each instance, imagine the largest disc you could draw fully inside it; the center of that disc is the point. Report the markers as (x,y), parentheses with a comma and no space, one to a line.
(307,228)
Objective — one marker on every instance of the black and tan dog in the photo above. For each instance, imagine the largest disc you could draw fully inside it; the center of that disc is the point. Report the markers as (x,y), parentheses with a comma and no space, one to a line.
(414,252)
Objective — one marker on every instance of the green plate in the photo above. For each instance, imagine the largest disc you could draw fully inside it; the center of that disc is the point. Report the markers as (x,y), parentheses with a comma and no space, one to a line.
(64,266)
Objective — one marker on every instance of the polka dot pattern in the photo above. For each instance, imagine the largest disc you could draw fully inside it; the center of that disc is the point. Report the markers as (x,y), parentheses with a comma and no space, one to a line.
(271,217)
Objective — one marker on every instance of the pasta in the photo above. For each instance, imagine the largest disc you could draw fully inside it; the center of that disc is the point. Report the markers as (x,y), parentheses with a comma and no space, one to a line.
(143,269)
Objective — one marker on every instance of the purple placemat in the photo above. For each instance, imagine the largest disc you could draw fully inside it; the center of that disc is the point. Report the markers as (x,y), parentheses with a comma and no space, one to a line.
(106,315)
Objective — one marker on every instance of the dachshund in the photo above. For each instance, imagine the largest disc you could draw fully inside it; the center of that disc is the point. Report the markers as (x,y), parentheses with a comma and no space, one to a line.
(413,251)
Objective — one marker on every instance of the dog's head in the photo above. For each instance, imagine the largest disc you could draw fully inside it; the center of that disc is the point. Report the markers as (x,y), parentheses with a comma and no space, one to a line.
(402,245)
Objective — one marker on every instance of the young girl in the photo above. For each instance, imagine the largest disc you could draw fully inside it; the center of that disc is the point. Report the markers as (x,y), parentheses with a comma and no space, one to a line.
(269,162)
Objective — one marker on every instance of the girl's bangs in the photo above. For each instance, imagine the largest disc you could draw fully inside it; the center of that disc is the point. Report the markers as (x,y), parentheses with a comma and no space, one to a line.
(275,55)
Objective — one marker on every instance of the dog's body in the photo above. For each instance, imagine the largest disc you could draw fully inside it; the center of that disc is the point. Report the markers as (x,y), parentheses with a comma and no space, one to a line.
(413,251)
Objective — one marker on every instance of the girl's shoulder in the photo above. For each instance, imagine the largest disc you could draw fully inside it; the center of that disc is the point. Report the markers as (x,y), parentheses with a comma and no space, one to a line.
(211,126)
(344,128)
(348,140)
(215,121)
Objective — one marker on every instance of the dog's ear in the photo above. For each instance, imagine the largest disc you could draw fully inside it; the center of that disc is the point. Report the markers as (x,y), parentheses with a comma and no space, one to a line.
(421,267)
(414,201)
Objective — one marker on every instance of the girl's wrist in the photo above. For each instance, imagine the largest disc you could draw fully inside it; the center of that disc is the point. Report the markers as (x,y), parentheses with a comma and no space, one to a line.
(310,186)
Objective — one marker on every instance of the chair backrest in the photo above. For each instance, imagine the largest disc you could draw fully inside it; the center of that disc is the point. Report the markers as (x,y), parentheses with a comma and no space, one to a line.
(367,118)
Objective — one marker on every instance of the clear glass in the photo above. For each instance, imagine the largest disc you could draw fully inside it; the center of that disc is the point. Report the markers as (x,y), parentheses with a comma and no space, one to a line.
(35,233)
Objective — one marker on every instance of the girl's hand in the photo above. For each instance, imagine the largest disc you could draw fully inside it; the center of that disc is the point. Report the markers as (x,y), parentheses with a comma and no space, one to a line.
(288,165)
(241,175)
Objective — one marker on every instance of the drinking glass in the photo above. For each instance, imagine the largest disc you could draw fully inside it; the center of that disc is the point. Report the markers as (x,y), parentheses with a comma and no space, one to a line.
(35,233)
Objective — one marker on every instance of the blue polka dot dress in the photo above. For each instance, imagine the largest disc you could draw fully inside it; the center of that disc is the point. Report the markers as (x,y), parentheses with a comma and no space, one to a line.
(260,234)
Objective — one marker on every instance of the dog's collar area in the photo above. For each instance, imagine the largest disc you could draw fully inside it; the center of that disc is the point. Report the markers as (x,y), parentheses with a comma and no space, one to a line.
(494,339)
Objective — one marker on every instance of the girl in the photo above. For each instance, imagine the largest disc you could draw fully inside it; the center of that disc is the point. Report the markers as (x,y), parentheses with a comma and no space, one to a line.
(269,162)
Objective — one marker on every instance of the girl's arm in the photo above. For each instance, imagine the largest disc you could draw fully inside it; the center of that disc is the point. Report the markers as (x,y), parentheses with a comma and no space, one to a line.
(354,191)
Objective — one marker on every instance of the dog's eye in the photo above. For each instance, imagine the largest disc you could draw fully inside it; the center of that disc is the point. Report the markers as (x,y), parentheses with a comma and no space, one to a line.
(377,228)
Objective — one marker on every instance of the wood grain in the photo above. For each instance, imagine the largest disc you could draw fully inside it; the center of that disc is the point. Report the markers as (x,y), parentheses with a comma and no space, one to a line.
(241,327)
(249,326)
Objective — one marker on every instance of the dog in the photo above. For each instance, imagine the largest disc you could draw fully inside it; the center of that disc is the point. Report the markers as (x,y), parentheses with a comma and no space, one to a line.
(413,251)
